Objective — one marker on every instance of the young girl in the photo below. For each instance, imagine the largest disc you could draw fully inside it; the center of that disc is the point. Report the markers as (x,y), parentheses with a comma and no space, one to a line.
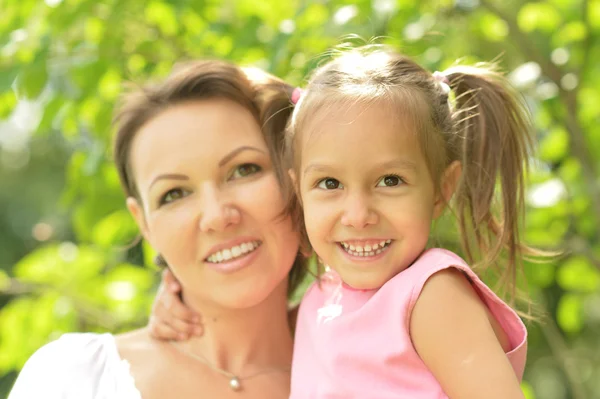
(377,148)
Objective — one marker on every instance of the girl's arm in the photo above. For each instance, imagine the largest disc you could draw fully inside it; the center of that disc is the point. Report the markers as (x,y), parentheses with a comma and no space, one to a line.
(171,319)
(451,331)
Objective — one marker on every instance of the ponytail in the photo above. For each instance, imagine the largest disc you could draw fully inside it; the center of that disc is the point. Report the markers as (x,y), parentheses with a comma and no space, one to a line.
(494,130)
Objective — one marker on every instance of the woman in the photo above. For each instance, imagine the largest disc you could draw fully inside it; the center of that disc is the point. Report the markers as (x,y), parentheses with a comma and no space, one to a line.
(197,157)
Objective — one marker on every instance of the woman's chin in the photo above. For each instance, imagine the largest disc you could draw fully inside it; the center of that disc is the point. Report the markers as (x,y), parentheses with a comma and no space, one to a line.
(252,294)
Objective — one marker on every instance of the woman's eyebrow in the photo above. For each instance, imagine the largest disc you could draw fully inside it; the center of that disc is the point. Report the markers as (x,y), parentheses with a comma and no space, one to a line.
(235,152)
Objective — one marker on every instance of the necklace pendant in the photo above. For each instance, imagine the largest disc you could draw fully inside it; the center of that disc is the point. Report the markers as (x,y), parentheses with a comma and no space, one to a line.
(234,383)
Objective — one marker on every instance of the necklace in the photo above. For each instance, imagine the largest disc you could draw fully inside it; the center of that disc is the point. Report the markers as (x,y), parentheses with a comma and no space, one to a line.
(235,382)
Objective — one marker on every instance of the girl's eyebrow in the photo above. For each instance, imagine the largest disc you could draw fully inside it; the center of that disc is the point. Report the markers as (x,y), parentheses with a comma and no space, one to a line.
(400,163)
(395,163)
(315,166)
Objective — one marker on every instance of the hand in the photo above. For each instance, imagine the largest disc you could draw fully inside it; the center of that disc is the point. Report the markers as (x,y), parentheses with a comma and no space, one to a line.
(170,318)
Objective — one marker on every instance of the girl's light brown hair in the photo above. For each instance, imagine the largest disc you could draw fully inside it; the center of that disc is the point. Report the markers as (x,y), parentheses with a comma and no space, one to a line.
(265,96)
(486,127)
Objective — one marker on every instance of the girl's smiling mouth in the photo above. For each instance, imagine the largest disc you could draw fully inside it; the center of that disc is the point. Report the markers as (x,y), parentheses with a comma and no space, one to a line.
(365,248)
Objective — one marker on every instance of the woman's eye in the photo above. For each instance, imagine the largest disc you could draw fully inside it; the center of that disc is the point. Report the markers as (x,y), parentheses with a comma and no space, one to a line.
(390,181)
(329,183)
(244,170)
(173,195)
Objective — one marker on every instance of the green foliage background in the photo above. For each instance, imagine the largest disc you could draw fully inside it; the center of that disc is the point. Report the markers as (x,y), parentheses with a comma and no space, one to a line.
(64,265)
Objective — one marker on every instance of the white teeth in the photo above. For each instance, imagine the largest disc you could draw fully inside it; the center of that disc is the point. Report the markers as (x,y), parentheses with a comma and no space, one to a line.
(234,252)
(367,250)
(226,254)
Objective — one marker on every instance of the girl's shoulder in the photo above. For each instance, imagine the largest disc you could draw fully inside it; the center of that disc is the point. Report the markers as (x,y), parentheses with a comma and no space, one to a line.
(77,365)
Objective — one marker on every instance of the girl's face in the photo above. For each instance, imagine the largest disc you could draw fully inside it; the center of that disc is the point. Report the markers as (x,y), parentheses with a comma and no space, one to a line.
(211,203)
(367,194)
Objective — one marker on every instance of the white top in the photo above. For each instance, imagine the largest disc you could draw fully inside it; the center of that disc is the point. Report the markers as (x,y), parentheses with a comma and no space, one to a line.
(76,366)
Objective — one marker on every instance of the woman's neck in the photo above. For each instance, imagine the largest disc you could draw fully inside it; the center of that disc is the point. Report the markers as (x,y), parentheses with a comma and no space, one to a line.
(244,341)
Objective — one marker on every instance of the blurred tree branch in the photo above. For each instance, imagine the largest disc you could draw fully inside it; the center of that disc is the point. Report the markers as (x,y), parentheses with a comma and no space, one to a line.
(568,97)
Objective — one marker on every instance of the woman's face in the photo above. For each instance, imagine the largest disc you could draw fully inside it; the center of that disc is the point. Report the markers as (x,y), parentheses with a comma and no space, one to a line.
(211,202)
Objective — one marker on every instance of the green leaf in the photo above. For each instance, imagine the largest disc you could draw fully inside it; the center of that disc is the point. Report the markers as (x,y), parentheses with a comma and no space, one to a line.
(4,280)
(51,111)
(569,313)
(579,275)
(162,15)
(94,29)
(555,146)
(493,28)
(538,16)
(110,84)
(8,102)
(32,80)
(116,229)
(572,32)
(527,390)
(7,77)
(60,264)
(594,13)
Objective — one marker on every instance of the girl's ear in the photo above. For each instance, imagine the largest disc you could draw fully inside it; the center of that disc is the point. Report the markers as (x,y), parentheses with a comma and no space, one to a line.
(450,180)
(137,211)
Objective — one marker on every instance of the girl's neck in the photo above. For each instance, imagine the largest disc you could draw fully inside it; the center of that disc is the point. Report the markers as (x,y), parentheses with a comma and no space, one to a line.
(244,341)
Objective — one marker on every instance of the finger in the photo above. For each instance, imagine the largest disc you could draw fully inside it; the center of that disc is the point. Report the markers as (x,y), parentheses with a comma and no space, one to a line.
(162,315)
(171,281)
(178,309)
(163,331)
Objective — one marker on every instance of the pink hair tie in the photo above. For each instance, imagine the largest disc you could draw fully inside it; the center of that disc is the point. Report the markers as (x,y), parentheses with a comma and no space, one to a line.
(443,81)
(296,94)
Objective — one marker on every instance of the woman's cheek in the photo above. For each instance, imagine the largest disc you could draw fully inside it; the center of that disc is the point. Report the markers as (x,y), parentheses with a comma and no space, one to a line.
(173,230)
(263,198)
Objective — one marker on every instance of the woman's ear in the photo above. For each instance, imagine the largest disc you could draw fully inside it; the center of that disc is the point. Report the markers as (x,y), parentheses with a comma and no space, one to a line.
(295,184)
(450,179)
(137,211)
(292,175)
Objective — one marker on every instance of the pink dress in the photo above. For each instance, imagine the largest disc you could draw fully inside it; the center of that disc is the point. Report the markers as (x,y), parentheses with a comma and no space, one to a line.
(356,343)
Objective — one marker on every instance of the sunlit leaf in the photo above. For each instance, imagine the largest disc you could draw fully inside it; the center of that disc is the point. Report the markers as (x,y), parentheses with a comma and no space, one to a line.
(554,147)
(32,80)
(578,274)
(116,229)
(538,15)
(162,15)
(569,313)
(8,101)
(493,28)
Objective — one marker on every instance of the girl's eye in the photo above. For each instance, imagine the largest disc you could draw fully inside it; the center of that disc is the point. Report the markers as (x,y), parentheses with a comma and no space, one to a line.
(390,181)
(173,195)
(329,183)
(244,170)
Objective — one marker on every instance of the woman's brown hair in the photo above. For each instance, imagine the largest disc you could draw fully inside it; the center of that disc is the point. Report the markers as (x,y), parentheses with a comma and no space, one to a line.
(265,96)
(485,126)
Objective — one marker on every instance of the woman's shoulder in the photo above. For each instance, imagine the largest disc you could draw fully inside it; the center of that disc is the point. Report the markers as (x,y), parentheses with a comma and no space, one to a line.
(72,351)
(74,366)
